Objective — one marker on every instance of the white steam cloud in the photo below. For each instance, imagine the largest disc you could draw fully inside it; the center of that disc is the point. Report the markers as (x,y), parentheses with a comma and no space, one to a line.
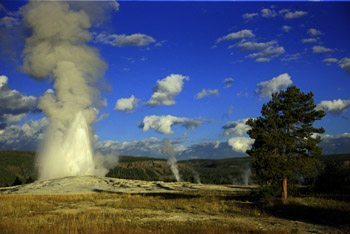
(58,49)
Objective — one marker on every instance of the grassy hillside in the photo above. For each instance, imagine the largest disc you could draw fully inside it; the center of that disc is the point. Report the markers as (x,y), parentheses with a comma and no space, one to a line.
(223,171)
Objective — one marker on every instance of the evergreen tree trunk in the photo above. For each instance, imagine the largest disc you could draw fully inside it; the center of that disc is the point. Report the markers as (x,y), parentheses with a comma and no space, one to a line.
(285,190)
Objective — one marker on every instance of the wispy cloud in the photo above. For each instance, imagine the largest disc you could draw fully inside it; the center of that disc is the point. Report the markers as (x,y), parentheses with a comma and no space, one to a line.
(245,33)
(207,92)
(228,82)
(320,49)
(121,40)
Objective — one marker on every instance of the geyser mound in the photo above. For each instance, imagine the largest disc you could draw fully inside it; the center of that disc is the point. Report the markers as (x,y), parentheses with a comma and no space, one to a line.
(93,184)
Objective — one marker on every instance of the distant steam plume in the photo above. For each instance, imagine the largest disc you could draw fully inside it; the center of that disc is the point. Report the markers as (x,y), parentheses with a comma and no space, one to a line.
(168,150)
(246,174)
(57,49)
(196,177)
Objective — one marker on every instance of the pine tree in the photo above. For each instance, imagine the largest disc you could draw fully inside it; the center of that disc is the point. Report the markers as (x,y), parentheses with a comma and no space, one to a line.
(286,142)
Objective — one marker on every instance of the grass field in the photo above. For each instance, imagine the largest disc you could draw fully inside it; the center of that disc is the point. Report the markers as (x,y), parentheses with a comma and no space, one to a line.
(209,212)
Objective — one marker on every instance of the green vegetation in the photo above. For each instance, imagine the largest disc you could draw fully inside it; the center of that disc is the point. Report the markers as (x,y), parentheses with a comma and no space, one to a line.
(284,145)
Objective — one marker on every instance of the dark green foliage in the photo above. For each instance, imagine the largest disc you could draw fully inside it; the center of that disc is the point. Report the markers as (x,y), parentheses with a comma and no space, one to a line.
(16,163)
(334,178)
(223,171)
(16,182)
(29,180)
(284,143)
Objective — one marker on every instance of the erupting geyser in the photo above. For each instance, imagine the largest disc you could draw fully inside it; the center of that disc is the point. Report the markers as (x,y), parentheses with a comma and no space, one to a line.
(74,156)
(57,49)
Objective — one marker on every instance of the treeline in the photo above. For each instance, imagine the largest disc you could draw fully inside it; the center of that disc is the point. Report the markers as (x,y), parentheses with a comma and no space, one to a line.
(17,167)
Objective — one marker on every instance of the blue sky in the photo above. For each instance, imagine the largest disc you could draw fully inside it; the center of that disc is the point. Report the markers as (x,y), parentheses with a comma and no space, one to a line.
(185,41)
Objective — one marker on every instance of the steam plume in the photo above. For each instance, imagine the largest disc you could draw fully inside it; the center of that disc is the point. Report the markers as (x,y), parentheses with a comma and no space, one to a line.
(168,150)
(57,49)
(246,174)
(196,177)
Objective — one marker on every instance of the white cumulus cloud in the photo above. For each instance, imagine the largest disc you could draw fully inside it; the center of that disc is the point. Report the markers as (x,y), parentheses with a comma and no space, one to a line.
(163,124)
(238,127)
(266,54)
(23,137)
(240,144)
(13,104)
(126,104)
(267,88)
(268,13)
(167,89)
(337,106)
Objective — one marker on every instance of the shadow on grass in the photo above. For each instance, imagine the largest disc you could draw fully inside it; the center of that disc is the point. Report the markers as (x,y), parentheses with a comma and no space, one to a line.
(160,195)
(313,215)
(172,195)
(239,197)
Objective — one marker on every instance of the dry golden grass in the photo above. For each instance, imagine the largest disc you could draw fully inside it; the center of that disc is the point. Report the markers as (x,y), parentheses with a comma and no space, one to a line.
(125,213)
